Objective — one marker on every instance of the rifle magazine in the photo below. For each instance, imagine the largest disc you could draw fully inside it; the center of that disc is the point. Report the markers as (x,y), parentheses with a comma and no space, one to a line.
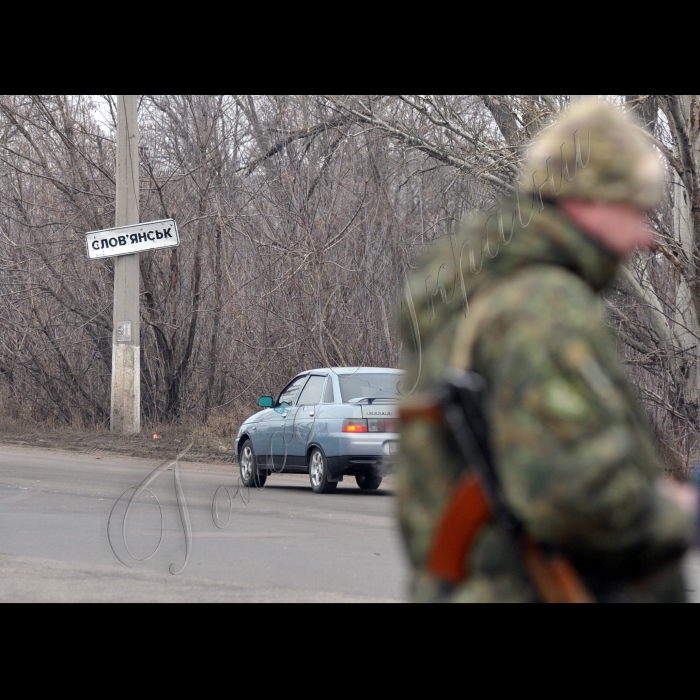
(467,511)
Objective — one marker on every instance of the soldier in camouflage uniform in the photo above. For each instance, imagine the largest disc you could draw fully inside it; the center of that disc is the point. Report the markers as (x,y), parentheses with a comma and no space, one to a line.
(572,450)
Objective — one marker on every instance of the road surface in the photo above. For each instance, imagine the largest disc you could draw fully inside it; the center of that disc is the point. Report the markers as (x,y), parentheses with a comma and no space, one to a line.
(282,543)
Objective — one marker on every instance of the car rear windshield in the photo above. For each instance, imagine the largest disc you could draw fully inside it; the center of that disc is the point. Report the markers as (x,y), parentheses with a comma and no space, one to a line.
(368,385)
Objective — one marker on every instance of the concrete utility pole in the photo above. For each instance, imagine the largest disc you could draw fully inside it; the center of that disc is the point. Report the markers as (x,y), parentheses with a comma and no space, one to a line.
(573,99)
(126,348)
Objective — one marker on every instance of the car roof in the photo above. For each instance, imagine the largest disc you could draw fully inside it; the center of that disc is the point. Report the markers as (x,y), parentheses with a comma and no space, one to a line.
(352,370)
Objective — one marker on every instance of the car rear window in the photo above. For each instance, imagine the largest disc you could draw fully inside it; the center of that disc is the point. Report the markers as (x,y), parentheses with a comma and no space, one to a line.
(368,385)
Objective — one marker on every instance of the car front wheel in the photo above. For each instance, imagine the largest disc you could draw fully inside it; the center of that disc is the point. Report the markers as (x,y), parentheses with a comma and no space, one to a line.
(251,475)
(318,473)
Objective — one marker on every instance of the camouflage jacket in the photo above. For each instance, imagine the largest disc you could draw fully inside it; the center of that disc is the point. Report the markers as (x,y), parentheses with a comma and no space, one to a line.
(572,449)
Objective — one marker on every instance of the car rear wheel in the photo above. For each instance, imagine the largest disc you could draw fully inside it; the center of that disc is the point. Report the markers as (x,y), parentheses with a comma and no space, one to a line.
(251,474)
(368,482)
(318,473)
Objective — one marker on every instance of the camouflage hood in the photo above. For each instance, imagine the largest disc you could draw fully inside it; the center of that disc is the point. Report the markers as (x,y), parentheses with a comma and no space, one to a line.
(496,245)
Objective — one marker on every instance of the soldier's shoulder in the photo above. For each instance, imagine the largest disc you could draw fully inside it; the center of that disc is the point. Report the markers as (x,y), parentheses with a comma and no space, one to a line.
(535,312)
(546,292)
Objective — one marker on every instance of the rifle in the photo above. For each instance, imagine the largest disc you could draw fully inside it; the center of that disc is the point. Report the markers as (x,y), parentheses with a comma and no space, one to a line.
(477,498)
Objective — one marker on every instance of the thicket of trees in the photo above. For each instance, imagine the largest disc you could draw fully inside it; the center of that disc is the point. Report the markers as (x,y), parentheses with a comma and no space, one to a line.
(299,216)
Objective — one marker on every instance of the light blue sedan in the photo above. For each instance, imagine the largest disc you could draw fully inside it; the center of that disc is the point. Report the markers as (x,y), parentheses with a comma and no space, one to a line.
(327,423)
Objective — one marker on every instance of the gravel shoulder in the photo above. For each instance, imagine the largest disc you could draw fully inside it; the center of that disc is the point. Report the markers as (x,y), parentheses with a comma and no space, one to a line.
(206,449)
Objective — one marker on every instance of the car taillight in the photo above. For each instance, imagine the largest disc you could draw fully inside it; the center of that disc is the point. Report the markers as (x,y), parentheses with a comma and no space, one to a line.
(354,426)
(382,425)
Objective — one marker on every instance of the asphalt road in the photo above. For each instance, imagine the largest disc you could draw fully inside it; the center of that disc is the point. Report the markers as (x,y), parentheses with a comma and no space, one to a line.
(282,543)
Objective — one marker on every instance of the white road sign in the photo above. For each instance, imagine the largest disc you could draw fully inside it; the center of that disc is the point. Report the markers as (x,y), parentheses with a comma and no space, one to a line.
(132,239)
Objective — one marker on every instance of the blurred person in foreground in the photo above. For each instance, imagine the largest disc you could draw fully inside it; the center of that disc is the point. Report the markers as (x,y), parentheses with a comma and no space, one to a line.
(574,456)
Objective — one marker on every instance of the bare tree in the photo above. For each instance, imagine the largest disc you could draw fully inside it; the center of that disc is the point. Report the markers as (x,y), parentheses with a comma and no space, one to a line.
(299,217)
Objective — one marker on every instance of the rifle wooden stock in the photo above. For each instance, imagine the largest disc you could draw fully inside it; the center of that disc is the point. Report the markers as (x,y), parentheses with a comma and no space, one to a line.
(464,516)
(554,577)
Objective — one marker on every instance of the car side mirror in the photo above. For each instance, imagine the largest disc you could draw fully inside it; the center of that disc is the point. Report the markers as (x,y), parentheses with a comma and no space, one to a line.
(266,401)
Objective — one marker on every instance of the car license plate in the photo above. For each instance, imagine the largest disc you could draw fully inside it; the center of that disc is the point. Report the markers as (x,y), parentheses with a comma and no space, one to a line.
(393,448)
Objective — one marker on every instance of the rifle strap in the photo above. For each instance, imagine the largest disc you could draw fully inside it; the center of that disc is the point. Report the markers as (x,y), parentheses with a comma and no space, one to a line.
(468,327)
(468,508)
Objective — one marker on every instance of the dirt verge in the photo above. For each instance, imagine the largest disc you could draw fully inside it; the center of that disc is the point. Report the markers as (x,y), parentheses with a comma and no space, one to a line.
(166,444)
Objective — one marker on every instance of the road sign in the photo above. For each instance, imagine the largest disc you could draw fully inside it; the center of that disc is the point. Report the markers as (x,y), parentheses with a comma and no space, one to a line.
(137,238)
